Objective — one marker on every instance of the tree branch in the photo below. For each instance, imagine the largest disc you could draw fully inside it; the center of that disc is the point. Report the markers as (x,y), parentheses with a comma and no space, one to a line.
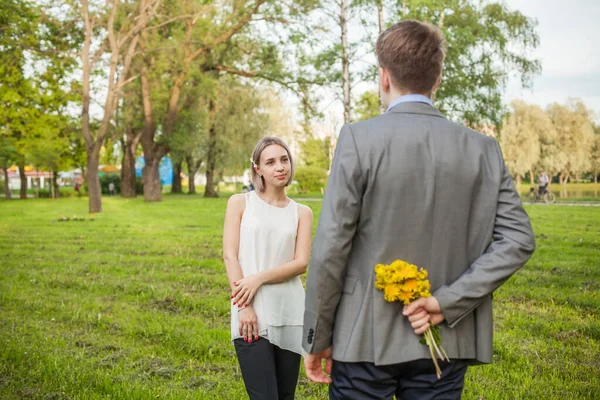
(234,29)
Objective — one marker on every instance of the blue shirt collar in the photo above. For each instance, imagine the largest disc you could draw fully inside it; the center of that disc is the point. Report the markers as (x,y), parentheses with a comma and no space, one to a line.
(419,98)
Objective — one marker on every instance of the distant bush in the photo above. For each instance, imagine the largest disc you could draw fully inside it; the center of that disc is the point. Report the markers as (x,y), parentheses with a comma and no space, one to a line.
(310,179)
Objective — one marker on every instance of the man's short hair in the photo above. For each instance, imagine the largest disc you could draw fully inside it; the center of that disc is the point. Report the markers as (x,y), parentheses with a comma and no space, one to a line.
(413,52)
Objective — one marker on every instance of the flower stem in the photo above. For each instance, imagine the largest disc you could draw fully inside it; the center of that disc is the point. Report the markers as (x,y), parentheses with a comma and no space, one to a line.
(431,344)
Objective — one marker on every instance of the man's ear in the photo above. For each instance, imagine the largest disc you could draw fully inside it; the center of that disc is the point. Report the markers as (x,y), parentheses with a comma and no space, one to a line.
(385,79)
(437,83)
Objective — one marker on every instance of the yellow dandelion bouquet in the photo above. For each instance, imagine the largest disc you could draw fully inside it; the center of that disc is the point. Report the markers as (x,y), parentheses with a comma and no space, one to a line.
(401,281)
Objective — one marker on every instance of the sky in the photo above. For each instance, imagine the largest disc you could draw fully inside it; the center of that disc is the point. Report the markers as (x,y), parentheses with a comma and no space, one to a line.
(569,51)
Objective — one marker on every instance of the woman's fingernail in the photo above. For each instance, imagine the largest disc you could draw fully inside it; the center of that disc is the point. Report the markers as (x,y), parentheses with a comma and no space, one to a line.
(250,341)
(255,337)
(246,305)
(232,297)
(234,303)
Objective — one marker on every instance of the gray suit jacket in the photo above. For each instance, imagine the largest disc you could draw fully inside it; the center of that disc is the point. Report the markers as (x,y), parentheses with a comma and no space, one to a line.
(412,185)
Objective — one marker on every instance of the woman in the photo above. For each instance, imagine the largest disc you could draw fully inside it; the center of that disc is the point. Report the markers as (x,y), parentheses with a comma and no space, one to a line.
(266,247)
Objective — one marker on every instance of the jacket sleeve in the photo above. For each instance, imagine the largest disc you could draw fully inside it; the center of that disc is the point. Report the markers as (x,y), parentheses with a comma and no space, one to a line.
(332,244)
(512,245)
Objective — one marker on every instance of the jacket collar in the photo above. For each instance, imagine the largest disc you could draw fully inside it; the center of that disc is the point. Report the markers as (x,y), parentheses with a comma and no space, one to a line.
(416,108)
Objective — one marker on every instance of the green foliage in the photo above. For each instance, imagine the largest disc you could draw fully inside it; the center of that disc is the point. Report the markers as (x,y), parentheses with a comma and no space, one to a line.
(316,152)
(487,41)
(575,137)
(367,106)
(310,179)
(36,85)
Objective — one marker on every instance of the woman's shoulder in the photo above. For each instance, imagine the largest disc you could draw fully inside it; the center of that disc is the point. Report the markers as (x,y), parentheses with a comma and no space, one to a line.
(237,201)
(304,211)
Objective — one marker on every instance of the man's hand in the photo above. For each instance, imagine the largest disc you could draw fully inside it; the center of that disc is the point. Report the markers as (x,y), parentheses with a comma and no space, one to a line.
(313,364)
(423,312)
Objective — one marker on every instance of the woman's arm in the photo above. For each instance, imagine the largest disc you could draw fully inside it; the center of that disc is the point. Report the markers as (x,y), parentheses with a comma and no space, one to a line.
(246,288)
(231,238)
(248,327)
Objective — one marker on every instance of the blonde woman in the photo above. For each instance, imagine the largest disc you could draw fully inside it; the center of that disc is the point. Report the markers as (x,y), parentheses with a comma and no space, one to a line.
(266,247)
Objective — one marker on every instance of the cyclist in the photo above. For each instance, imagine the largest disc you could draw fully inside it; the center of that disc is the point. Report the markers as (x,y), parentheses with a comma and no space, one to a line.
(544,181)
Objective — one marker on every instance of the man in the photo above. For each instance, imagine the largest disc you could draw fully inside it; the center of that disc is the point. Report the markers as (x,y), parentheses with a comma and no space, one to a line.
(544,181)
(414,186)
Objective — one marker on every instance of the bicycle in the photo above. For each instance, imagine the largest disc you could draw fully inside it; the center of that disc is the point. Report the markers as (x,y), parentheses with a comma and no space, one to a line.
(546,196)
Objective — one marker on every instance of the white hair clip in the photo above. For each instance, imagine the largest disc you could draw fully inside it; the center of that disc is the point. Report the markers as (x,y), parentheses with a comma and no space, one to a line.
(253,163)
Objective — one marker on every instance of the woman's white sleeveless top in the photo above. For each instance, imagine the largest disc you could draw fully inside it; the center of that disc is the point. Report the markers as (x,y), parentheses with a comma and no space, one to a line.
(268,240)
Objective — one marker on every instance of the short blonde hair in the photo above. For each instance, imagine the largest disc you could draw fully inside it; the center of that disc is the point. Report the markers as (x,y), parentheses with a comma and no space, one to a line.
(259,181)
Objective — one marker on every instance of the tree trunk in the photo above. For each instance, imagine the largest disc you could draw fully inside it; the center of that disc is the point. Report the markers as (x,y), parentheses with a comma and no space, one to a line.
(345,59)
(380,22)
(23,178)
(531,181)
(577,177)
(518,180)
(151,177)
(93,182)
(560,178)
(595,175)
(176,186)
(210,191)
(193,167)
(6,187)
(192,184)
(211,159)
(56,189)
(211,162)
(128,179)
(404,9)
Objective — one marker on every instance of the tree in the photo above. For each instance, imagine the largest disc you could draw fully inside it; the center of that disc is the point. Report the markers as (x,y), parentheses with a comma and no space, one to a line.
(487,41)
(574,140)
(334,50)
(36,83)
(521,137)
(8,153)
(118,32)
(366,8)
(192,37)
(237,119)
(211,41)
(129,124)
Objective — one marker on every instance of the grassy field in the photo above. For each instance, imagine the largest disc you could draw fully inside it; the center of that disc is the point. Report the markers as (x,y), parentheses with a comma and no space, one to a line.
(134,305)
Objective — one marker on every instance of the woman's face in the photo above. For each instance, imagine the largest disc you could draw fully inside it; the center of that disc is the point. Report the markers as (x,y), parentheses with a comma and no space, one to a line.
(274,165)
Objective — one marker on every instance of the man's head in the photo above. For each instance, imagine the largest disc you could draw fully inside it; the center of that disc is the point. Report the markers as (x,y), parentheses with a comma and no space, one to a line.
(410,56)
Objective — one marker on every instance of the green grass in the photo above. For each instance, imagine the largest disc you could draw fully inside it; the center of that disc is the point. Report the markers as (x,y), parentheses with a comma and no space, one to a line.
(134,305)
